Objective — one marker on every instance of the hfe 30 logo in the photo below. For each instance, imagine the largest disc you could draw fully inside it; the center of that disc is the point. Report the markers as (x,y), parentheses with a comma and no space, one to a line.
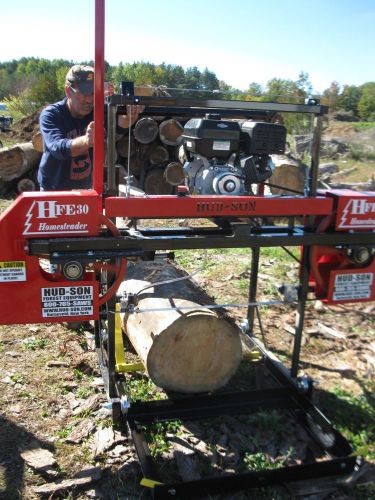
(69,215)
(358,213)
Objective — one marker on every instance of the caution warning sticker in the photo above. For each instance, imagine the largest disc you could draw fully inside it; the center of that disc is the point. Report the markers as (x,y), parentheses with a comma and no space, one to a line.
(67,301)
(14,270)
(353,286)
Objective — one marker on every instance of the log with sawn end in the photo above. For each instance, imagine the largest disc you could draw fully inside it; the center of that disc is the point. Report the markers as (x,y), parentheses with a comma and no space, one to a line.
(17,160)
(189,350)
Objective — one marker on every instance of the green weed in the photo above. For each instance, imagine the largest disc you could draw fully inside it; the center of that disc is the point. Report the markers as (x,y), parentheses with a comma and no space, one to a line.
(33,343)
(156,435)
(261,461)
(84,392)
(18,378)
(142,389)
(24,394)
(78,374)
(64,432)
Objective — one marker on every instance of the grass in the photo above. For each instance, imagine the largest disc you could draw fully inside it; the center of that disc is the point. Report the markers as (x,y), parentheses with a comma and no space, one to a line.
(84,392)
(7,141)
(363,125)
(360,153)
(364,170)
(354,417)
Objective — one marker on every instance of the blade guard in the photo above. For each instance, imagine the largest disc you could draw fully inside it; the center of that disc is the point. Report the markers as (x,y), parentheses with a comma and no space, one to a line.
(29,293)
(335,277)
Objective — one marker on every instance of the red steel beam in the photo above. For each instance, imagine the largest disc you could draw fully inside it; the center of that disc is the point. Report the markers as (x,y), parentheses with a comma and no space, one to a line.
(98,173)
(216,206)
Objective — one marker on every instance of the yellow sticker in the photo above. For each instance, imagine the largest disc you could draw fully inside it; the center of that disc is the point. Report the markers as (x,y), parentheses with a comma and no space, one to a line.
(12,264)
(14,270)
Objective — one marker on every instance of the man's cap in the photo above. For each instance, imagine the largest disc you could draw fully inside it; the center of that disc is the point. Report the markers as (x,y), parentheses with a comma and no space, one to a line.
(82,77)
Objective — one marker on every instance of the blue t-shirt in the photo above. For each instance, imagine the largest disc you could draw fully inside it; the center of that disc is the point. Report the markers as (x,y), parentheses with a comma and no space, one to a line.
(57,169)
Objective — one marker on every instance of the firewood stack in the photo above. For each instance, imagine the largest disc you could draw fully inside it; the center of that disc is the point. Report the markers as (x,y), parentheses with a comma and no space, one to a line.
(150,152)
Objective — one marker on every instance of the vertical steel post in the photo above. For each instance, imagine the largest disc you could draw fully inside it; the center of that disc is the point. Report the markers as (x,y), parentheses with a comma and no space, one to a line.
(111,318)
(315,153)
(305,258)
(255,253)
(302,297)
(99,100)
(111,150)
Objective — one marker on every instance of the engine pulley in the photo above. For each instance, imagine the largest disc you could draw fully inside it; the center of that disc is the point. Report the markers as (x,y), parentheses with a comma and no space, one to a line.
(227,184)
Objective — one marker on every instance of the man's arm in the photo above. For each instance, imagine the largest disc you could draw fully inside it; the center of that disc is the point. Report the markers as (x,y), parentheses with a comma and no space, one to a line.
(54,135)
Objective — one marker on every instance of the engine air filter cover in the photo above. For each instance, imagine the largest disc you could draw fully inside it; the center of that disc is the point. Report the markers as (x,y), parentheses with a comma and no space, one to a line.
(263,138)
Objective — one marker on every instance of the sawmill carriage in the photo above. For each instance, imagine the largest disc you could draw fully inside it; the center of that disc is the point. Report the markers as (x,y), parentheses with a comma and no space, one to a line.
(227,145)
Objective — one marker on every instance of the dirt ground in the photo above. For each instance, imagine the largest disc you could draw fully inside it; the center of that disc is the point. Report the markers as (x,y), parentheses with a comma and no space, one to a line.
(56,438)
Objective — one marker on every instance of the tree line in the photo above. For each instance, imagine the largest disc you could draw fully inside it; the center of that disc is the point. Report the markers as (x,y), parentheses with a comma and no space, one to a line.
(29,83)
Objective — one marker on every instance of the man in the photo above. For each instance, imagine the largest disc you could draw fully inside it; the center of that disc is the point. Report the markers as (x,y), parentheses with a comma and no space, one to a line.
(67,128)
(68,134)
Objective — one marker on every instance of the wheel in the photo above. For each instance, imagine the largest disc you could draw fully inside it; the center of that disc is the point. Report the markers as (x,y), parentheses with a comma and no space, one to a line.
(73,270)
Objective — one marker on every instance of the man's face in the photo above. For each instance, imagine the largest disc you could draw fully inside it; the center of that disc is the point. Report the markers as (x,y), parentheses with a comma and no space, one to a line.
(79,104)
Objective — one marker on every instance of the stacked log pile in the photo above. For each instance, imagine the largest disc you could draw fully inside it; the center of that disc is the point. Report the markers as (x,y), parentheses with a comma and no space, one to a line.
(149,152)
(18,165)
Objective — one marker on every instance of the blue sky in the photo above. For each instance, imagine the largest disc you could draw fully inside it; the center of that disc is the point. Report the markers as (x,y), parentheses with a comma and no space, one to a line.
(242,41)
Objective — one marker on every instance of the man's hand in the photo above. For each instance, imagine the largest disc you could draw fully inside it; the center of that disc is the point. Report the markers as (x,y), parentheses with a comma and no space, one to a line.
(132,115)
(90,134)
(82,144)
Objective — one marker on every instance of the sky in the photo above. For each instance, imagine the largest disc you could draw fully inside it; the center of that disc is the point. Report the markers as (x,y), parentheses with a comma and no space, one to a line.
(241,41)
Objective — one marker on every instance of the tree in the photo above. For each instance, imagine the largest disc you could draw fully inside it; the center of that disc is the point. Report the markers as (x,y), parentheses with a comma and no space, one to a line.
(349,98)
(208,80)
(366,103)
(331,96)
(254,92)
(304,85)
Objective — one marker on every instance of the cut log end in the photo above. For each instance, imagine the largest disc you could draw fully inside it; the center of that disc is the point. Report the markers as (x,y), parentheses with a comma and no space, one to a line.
(185,346)
(197,353)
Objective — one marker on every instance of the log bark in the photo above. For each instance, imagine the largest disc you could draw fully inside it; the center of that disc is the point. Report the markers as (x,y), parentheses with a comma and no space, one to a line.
(190,351)
(155,182)
(17,160)
(289,173)
(37,141)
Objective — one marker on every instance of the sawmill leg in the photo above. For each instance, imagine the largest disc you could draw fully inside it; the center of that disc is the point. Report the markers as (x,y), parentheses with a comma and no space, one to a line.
(255,253)
(111,307)
(302,297)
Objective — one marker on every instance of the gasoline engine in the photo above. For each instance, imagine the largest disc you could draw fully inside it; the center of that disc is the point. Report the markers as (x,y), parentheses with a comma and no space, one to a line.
(227,157)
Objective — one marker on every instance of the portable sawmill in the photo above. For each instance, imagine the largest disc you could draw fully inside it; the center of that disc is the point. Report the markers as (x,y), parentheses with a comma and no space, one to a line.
(227,146)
